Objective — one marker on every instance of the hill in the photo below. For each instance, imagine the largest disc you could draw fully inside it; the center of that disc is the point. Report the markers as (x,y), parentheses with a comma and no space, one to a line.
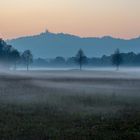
(49,45)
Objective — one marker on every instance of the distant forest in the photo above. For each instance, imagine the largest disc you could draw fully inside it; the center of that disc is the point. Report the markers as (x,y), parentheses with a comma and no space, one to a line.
(128,59)
(11,57)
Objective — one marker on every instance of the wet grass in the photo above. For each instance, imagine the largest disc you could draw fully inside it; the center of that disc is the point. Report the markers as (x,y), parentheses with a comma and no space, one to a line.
(45,122)
(35,112)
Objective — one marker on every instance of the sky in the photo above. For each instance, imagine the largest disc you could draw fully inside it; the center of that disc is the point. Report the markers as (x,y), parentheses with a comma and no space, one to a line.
(117,18)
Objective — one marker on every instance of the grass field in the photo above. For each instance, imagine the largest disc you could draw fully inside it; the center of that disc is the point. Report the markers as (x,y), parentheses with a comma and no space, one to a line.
(69,105)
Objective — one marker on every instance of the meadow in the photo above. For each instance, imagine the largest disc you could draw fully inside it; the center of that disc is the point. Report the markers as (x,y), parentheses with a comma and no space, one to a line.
(69,105)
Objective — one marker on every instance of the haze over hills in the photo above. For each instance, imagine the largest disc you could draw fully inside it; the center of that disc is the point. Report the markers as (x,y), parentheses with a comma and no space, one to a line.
(50,45)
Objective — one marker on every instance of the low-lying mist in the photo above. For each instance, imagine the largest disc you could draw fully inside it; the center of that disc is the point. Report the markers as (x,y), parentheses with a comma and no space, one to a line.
(73,90)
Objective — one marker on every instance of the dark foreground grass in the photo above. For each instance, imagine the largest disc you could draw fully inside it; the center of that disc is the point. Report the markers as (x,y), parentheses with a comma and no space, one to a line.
(37,109)
(48,123)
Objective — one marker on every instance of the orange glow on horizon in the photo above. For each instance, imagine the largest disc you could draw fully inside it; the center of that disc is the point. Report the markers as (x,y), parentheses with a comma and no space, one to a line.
(118,18)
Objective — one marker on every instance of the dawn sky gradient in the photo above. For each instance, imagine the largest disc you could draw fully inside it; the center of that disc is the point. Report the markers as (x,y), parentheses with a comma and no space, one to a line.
(117,18)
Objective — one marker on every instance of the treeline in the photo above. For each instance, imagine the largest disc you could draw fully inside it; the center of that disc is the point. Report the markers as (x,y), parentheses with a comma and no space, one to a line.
(129,59)
(11,57)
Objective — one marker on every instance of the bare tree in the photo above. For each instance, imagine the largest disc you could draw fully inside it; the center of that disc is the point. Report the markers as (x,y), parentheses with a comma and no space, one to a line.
(15,57)
(80,58)
(27,58)
(117,59)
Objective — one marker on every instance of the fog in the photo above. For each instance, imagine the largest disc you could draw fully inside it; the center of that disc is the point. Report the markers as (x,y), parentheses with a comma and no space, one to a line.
(92,91)
(122,69)
(37,99)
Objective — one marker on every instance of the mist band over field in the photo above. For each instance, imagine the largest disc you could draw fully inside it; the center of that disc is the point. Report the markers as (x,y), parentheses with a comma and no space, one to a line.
(78,80)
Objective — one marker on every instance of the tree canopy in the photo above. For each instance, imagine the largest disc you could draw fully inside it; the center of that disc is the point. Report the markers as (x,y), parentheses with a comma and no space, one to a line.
(117,58)
(8,55)
(80,58)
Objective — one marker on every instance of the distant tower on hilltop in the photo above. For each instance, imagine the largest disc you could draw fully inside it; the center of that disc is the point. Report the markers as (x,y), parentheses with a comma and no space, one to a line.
(46,31)
(0,36)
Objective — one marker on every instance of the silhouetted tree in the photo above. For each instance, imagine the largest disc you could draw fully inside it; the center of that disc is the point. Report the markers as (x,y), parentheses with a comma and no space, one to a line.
(80,58)
(27,58)
(117,59)
(15,57)
(8,54)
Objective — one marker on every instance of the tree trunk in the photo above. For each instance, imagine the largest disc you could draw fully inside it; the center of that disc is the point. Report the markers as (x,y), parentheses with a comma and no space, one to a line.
(27,67)
(80,66)
(15,65)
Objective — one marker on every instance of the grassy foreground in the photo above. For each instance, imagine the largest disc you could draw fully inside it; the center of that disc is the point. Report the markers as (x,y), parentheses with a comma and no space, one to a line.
(54,108)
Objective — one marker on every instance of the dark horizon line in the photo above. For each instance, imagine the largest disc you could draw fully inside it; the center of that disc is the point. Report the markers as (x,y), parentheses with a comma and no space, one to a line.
(100,37)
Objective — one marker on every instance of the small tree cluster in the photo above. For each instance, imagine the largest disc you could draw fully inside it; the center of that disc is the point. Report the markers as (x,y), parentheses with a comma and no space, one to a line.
(10,56)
